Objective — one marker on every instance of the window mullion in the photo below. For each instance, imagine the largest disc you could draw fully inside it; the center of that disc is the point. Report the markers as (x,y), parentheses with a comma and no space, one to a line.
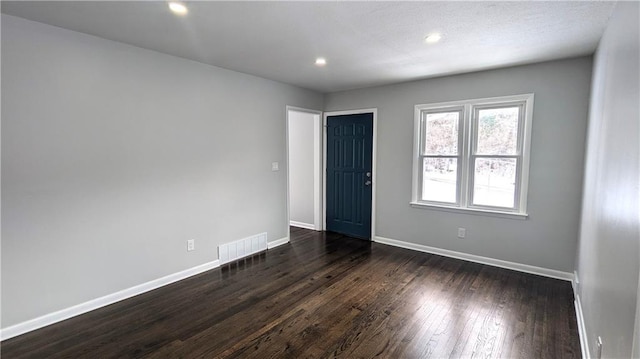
(518,183)
(465,149)
(420,155)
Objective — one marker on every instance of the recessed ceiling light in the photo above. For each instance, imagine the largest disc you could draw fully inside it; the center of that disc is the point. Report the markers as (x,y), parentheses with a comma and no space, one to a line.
(178,8)
(433,38)
(321,61)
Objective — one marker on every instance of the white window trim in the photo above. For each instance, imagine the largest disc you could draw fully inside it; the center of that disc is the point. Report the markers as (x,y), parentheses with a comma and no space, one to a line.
(467,137)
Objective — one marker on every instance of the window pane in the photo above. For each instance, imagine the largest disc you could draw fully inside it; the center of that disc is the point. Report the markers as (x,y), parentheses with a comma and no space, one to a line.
(441,133)
(494,182)
(498,131)
(439,179)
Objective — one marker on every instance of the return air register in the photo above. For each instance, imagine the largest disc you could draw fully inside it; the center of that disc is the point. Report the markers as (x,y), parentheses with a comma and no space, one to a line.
(241,248)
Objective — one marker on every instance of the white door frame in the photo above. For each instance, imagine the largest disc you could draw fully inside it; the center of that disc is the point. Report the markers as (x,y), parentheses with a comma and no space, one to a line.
(317,169)
(374,111)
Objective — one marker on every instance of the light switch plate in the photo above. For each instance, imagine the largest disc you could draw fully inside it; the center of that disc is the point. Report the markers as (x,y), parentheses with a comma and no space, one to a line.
(275,166)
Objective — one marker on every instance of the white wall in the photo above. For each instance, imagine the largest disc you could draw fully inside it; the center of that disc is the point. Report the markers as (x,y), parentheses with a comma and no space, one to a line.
(608,253)
(113,156)
(548,237)
(304,153)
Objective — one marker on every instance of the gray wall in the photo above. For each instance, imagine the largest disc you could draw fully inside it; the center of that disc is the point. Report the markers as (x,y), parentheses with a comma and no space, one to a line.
(608,252)
(113,156)
(301,161)
(548,237)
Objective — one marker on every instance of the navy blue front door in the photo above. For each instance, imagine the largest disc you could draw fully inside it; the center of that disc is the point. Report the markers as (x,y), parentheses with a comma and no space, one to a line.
(349,174)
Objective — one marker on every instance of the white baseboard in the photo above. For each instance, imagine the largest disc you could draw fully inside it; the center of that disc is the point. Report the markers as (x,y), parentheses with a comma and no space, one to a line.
(51,318)
(302,225)
(545,272)
(582,330)
(277,242)
(58,316)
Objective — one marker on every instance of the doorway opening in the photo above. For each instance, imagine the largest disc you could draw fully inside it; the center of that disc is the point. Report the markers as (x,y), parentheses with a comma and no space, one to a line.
(304,168)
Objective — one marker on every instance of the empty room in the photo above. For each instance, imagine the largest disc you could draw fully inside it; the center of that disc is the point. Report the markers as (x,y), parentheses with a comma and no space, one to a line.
(320,179)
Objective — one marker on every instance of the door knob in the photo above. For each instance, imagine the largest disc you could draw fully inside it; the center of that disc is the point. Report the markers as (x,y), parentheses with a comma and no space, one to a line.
(368,183)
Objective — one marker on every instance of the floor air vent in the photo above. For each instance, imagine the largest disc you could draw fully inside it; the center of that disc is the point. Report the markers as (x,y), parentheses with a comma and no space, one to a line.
(230,252)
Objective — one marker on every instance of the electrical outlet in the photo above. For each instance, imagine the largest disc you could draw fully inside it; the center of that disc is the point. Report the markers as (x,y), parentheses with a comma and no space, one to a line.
(191,245)
(462,232)
(599,348)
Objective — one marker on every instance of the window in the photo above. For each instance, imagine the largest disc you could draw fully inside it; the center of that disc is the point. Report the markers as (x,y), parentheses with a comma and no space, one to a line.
(473,155)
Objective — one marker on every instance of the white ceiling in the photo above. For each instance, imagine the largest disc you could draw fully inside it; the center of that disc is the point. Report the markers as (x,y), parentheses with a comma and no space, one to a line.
(365,43)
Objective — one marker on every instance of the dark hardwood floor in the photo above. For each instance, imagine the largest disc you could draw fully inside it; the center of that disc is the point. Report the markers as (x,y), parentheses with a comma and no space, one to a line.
(324,296)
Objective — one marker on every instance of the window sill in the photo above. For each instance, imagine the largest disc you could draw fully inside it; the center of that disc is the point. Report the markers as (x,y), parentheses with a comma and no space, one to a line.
(474,211)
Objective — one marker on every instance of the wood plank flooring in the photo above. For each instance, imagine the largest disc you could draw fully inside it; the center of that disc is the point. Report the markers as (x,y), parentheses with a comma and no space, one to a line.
(325,295)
